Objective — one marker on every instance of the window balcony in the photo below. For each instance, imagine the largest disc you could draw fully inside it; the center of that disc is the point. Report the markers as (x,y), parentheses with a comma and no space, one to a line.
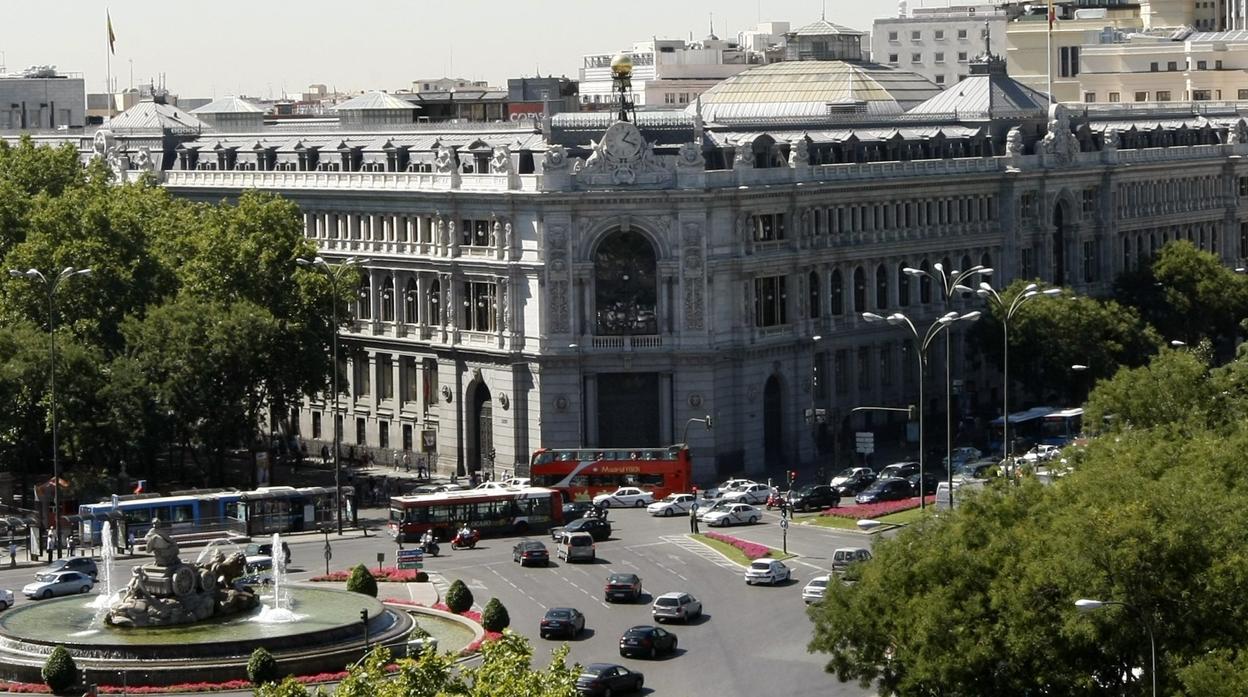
(633,342)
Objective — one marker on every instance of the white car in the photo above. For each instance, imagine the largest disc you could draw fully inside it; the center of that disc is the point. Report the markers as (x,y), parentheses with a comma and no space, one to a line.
(1041,453)
(767,571)
(672,504)
(813,592)
(6,599)
(493,486)
(706,508)
(730,485)
(623,497)
(518,482)
(752,493)
(676,606)
(733,514)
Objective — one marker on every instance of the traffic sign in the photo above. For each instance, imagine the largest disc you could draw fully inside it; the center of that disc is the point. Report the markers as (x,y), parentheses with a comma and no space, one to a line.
(411,559)
(784,523)
(865,440)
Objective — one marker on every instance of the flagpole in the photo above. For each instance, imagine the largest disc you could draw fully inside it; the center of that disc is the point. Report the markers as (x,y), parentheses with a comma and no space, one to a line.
(1048,53)
(108,63)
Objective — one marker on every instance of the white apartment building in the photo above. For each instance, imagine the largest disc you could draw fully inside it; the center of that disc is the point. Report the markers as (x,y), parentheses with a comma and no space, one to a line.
(937,42)
(1206,66)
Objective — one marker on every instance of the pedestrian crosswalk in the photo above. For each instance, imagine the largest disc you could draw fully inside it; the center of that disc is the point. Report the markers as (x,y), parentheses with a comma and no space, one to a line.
(690,545)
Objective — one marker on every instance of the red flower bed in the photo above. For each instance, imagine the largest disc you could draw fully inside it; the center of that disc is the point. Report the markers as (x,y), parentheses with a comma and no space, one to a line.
(875,510)
(751,550)
(388,574)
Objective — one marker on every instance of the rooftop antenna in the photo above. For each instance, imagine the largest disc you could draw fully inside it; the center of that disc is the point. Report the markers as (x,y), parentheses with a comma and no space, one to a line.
(987,39)
(712,16)
(823,14)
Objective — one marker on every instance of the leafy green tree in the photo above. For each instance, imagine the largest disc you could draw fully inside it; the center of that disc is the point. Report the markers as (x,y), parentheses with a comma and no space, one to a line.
(40,170)
(1050,334)
(288,687)
(1174,387)
(60,672)
(494,617)
(262,667)
(361,581)
(458,597)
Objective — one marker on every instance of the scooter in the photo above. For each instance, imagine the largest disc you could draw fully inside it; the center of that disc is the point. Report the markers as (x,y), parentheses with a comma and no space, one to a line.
(470,542)
(429,548)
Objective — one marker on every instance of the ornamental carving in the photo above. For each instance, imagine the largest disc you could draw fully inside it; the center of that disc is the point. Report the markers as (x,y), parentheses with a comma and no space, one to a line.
(743,157)
(505,301)
(690,157)
(500,163)
(444,162)
(1059,142)
(1014,143)
(555,159)
(693,304)
(799,153)
(452,237)
(495,229)
(558,307)
(623,157)
(508,241)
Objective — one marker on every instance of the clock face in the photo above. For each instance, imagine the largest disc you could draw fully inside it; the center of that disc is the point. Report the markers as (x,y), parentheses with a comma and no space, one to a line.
(623,141)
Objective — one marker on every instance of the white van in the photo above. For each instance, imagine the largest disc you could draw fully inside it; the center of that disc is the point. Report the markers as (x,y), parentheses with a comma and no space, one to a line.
(575,546)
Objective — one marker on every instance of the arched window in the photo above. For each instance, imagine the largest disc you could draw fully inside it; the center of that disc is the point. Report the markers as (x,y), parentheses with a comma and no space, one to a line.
(1126,254)
(814,294)
(860,290)
(903,285)
(387,299)
(410,299)
(925,283)
(985,260)
(626,285)
(881,287)
(966,262)
(364,302)
(435,302)
(836,299)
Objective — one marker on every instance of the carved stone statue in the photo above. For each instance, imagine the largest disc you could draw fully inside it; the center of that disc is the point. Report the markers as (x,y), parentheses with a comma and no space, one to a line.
(743,157)
(597,159)
(444,163)
(103,144)
(508,241)
(1237,134)
(690,157)
(501,162)
(799,153)
(1014,143)
(1059,141)
(170,592)
(555,159)
(1111,140)
(143,160)
(495,228)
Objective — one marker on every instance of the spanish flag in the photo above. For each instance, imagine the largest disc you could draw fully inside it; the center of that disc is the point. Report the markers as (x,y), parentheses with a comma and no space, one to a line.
(112,38)
(1052,16)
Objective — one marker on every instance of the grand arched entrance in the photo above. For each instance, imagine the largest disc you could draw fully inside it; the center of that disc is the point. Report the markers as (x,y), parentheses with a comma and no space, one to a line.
(773,422)
(626,288)
(480,446)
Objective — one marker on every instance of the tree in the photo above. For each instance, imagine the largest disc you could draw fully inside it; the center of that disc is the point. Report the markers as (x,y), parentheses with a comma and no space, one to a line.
(362,581)
(262,667)
(494,617)
(1174,387)
(980,600)
(288,687)
(60,672)
(1050,334)
(458,597)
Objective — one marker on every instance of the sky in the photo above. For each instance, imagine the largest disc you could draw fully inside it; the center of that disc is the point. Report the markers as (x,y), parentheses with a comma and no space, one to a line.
(264,48)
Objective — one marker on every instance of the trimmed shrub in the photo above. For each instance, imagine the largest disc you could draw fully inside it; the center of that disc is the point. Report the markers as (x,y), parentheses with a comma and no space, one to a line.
(362,581)
(422,577)
(262,667)
(495,618)
(60,672)
(458,597)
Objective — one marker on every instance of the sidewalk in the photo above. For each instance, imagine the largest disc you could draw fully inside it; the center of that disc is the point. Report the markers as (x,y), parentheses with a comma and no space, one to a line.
(419,593)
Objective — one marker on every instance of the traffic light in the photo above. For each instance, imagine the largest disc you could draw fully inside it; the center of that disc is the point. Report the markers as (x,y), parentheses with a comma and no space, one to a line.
(792,477)
(912,412)
(710,422)
(364,616)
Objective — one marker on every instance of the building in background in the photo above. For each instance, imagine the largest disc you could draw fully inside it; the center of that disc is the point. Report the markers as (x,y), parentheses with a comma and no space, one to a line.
(938,43)
(42,98)
(535,97)
(1032,52)
(447,84)
(1181,66)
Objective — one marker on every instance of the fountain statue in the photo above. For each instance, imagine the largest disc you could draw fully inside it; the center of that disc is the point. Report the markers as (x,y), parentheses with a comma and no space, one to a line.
(170,592)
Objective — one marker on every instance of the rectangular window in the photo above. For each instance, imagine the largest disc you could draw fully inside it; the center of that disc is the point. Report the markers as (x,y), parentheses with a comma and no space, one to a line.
(962,56)
(316,424)
(940,57)
(1027,205)
(1217,65)
(1027,263)
(1153,67)
(1172,66)
(768,227)
(841,367)
(940,79)
(892,36)
(1089,97)
(1089,200)
(916,57)
(915,36)
(1201,95)
(1202,65)
(407,437)
(940,34)
(383,434)
(1089,261)
(385,376)
(1069,58)
(1114,97)
(430,375)
(409,380)
(769,301)
(1141,96)
(361,432)
(864,368)
(475,233)
(886,365)
(961,33)
(363,379)
(1163,95)
(892,58)
(480,306)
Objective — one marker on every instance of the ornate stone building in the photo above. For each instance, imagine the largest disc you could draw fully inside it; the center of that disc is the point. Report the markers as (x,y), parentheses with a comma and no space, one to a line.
(601,282)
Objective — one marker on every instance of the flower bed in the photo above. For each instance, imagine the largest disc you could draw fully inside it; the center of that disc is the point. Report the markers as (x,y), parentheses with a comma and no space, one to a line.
(387,574)
(875,510)
(751,550)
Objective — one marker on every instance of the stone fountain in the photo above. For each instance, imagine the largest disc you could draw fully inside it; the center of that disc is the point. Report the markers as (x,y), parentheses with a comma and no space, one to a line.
(168,591)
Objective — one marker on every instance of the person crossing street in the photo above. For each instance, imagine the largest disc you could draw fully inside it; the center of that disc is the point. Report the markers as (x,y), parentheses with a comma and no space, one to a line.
(693,518)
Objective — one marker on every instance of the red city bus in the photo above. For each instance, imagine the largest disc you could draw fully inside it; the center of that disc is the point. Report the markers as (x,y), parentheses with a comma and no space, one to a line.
(491,511)
(584,473)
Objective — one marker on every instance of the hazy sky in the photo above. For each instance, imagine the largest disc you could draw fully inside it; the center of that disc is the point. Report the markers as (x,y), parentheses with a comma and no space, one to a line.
(264,47)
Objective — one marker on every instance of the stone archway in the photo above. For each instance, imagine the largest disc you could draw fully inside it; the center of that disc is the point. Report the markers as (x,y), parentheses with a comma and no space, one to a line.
(773,422)
(479,449)
(626,287)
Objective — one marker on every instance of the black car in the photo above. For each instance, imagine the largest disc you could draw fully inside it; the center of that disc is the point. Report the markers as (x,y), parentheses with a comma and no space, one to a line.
(857,482)
(599,529)
(893,489)
(575,510)
(900,470)
(601,678)
(266,549)
(85,565)
(622,587)
(647,640)
(812,498)
(530,552)
(930,480)
(562,621)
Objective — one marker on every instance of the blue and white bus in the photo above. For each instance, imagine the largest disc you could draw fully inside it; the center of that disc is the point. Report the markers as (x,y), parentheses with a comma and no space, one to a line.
(1061,426)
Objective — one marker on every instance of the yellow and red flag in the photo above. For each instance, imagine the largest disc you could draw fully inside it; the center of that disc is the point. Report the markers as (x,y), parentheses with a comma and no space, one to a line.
(112,38)
(1052,15)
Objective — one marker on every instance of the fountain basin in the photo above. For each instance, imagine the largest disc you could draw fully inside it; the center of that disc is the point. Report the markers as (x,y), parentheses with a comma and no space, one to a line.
(327,637)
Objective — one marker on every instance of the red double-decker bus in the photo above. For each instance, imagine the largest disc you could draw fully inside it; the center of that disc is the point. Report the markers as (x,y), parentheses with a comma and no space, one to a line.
(491,511)
(584,473)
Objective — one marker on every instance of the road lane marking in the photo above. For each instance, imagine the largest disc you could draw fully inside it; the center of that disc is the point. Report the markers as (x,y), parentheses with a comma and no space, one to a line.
(702,550)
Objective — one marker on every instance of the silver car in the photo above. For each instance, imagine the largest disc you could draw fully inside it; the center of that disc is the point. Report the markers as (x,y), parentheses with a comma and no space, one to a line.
(815,590)
(50,583)
(676,606)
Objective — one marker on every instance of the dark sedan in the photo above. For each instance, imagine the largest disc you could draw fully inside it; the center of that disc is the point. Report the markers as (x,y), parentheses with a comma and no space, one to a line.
(930,480)
(83,565)
(562,621)
(622,587)
(608,678)
(813,498)
(647,640)
(854,482)
(530,552)
(893,489)
(599,529)
(575,510)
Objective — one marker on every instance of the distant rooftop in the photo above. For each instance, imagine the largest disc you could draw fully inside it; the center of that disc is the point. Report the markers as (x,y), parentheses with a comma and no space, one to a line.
(229,105)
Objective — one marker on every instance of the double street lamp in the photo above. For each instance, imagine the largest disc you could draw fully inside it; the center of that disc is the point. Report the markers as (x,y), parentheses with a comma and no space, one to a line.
(922,342)
(1086,605)
(348,268)
(987,292)
(50,287)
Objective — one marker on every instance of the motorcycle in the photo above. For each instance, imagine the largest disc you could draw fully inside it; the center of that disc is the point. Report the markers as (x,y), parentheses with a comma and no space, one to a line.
(430,548)
(776,500)
(470,542)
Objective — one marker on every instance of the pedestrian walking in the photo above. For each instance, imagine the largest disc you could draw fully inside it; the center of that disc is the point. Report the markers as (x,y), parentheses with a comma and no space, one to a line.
(693,518)
(12,554)
(130,543)
(325,454)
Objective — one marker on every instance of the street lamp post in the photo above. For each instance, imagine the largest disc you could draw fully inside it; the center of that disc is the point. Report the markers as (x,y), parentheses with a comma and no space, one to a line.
(50,286)
(1086,605)
(950,282)
(921,343)
(335,273)
(987,292)
(580,398)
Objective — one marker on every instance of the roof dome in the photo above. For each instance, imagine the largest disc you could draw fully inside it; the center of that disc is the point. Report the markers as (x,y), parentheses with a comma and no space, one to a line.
(814,89)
